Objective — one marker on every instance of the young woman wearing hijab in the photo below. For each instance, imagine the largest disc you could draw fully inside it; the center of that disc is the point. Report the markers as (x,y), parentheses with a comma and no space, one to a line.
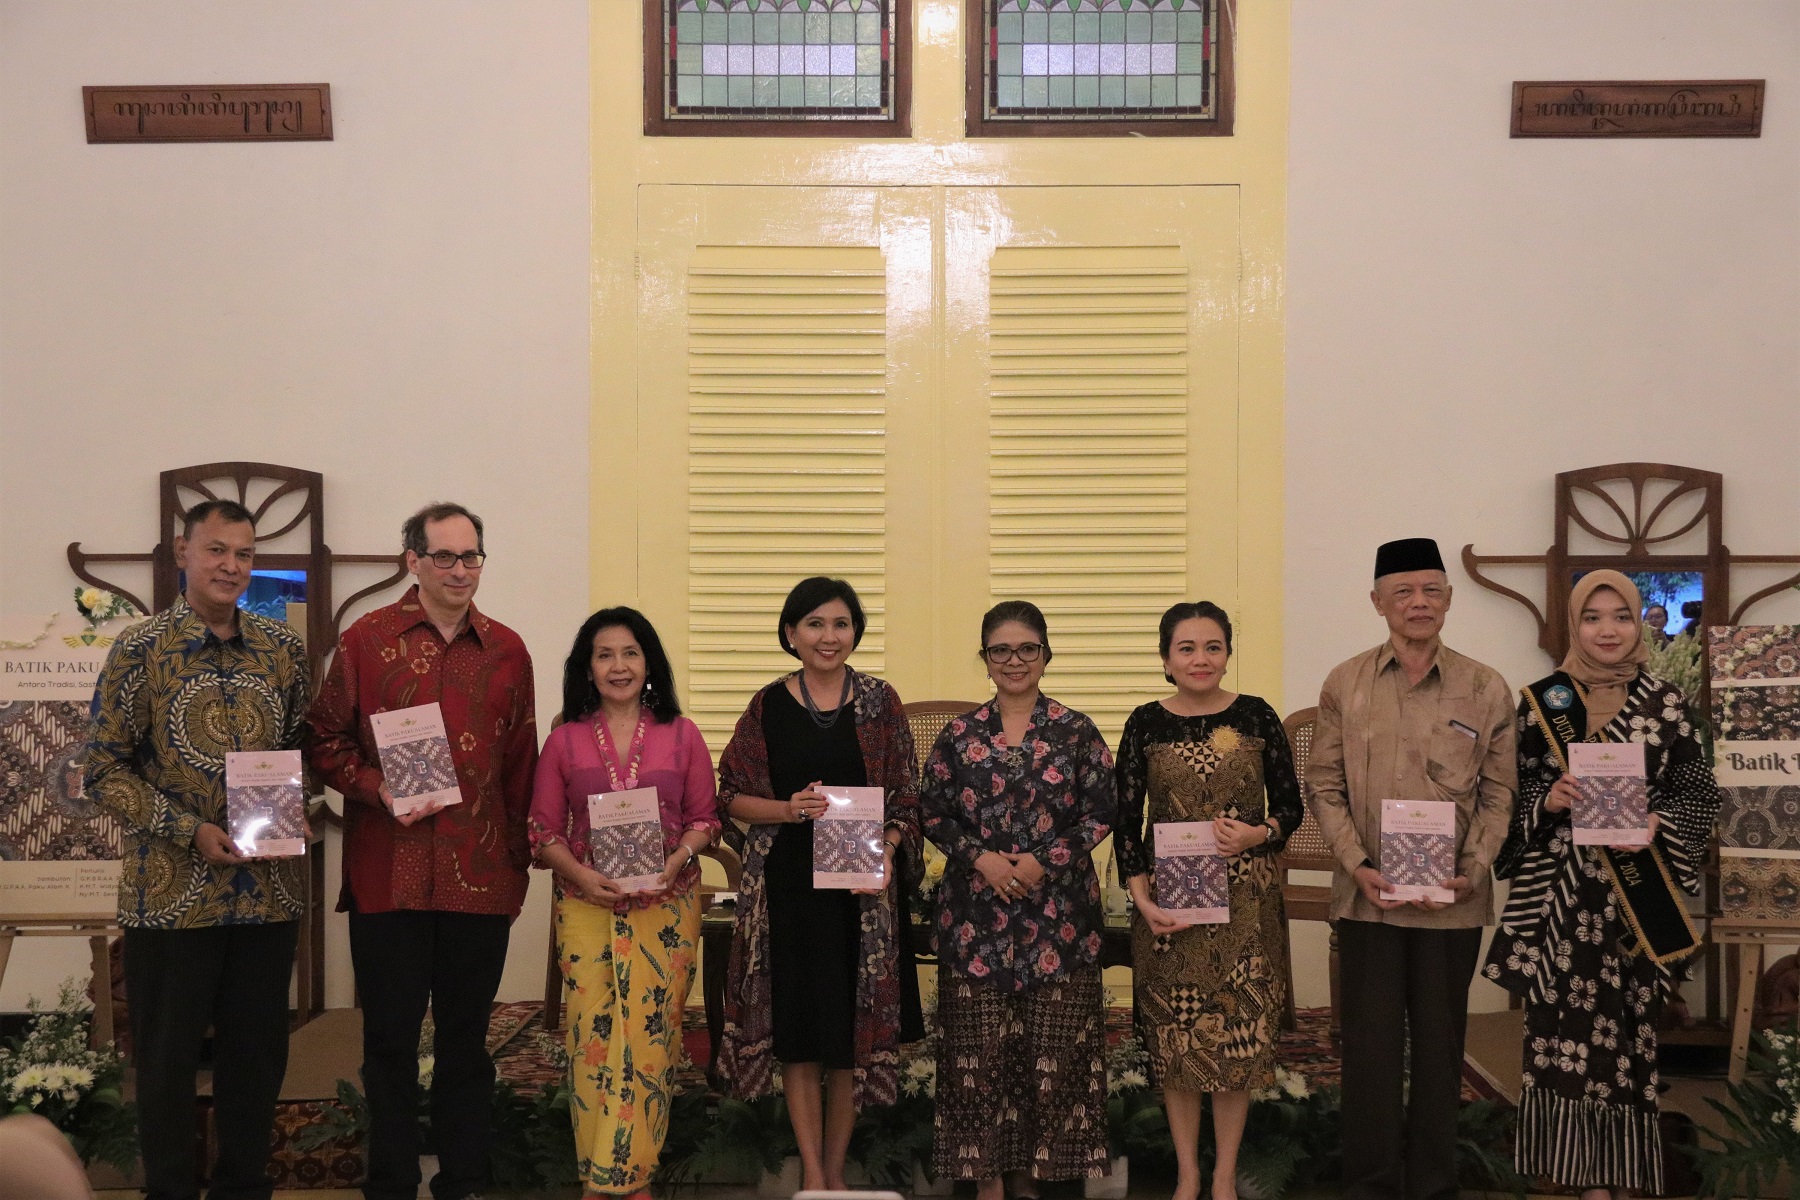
(816,982)
(1593,937)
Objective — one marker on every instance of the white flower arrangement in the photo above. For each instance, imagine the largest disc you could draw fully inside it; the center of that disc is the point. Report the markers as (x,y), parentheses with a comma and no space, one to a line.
(933,876)
(1784,1050)
(1288,1085)
(99,606)
(53,1072)
(1127,1067)
(920,1078)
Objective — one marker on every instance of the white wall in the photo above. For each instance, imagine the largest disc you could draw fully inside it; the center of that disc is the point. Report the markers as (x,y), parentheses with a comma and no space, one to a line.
(403,309)
(1469,314)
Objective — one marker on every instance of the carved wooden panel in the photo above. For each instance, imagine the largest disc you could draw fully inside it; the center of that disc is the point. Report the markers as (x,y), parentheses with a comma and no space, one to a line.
(1632,517)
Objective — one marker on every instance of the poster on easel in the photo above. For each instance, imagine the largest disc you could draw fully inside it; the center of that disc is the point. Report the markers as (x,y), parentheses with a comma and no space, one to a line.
(59,853)
(1755,672)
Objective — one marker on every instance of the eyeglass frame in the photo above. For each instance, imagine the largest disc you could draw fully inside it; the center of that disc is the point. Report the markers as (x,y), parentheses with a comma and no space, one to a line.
(1008,653)
(431,556)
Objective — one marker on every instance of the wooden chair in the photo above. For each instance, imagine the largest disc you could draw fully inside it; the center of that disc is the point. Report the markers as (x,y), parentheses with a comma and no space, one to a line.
(1306,851)
(927,718)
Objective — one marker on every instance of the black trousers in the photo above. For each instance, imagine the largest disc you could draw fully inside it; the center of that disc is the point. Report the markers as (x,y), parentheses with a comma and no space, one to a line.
(179,982)
(1403,988)
(404,961)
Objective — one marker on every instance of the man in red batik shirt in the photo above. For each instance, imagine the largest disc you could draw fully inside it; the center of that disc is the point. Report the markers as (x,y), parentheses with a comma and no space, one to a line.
(431,894)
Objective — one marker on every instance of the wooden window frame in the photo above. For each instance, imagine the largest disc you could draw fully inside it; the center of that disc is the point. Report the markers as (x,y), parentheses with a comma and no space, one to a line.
(656,85)
(977,124)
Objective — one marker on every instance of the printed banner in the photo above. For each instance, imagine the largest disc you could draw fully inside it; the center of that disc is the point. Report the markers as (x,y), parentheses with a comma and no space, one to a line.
(1756,760)
(59,854)
(1756,764)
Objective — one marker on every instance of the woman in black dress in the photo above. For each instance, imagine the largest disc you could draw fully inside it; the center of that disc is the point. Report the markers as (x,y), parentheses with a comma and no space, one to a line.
(815,979)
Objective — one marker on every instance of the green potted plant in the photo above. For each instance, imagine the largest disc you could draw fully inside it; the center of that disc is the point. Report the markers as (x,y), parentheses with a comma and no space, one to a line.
(1762,1121)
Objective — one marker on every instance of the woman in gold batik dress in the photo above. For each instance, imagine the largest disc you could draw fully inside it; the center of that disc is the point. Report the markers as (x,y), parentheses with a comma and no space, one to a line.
(1209,997)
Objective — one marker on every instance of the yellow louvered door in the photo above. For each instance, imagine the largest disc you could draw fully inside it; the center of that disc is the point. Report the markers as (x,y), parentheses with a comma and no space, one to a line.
(1094,331)
(769,416)
(948,396)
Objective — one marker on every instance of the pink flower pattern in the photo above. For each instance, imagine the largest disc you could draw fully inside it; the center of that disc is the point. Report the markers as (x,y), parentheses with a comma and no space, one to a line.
(1053,798)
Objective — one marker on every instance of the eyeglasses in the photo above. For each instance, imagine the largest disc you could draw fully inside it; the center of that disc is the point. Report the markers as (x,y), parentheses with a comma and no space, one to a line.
(1024,652)
(445,559)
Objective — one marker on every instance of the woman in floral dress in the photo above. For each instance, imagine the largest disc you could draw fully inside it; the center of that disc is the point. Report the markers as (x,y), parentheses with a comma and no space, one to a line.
(627,960)
(1208,996)
(1016,794)
(1593,965)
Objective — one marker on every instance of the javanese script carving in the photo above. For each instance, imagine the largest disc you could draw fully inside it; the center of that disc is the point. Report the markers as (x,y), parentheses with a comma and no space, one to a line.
(219,113)
(1676,108)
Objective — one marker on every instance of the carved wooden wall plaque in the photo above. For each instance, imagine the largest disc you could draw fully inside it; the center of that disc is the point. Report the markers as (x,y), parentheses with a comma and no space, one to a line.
(222,112)
(1638,108)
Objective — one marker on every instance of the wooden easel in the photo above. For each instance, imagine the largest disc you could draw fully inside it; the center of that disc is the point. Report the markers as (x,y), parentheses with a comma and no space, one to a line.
(1749,942)
(99,931)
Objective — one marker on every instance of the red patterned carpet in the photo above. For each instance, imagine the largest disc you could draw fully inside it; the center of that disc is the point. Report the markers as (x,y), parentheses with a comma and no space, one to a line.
(528,1058)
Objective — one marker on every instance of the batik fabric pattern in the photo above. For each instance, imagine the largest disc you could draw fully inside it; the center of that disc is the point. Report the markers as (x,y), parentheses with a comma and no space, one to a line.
(1760,818)
(172,701)
(1764,713)
(45,811)
(845,847)
(745,1062)
(1588,1112)
(470,857)
(1755,652)
(626,977)
(1021,1078)
(1052,797)
(272,806)
(1210,997)
(1418,859)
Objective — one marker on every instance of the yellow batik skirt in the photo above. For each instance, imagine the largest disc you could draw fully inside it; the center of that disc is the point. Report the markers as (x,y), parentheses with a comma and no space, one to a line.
(626,977)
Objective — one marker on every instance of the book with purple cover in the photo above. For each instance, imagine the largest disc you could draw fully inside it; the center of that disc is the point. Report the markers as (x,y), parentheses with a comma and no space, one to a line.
(625,838)
(415,757)
(1612,807)
(1418,849)
(847,851)
(265,804)
(1192,882)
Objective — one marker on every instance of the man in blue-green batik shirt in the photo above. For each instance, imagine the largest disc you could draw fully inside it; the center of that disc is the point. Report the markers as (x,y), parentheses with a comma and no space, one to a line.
(209,934)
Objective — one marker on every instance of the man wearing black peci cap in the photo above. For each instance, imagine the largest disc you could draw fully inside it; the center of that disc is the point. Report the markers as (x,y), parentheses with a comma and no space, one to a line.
(1410,720)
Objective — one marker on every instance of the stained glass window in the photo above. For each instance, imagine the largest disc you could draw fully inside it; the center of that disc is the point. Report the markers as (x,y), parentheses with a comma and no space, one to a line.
(788,65)
(1110,65)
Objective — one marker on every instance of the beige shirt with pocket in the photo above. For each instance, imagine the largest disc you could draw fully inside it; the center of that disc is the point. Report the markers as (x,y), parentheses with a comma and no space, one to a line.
(1451,736)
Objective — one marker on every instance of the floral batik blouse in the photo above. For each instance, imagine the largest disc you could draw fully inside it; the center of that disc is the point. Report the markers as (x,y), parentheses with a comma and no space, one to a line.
(1051,797)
